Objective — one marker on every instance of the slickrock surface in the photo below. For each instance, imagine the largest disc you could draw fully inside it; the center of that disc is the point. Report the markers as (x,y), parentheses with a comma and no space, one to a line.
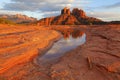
(97,59)
(20,44)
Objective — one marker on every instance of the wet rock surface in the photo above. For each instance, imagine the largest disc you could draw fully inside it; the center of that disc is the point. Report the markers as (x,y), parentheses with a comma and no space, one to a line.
(97,59)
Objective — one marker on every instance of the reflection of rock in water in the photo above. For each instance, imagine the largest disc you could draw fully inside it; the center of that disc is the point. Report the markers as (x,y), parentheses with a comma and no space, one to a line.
(66,35)
(62,46)
(74,33)
(77,33)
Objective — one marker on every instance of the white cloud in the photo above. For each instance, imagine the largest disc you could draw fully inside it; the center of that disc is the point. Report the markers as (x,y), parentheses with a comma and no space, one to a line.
(9,12)
(115,5)
(50,14)
(106,16)
(37,5)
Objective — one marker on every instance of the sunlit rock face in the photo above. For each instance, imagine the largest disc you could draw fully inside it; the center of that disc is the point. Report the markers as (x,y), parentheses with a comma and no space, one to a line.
(65,20)
(76,17)
(65,11)
(46,21)
(79,13)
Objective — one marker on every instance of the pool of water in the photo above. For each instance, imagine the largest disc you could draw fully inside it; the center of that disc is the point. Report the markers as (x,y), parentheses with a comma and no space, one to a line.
(59,48)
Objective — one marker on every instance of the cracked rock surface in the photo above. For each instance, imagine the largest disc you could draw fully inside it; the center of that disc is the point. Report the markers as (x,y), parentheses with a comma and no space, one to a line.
(97,59)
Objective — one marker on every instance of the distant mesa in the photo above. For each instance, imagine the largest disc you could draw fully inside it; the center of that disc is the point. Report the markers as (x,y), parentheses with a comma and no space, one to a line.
(76,17)
(18,18)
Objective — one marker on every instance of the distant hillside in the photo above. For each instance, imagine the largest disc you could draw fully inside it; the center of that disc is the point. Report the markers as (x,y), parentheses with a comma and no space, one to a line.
(76,17)
(5,21)
(18,18)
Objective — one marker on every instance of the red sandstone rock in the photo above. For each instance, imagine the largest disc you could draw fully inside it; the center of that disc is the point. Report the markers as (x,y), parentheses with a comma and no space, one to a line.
(65,11)
(79,13)
(46,21)
(71,20)
(67,18)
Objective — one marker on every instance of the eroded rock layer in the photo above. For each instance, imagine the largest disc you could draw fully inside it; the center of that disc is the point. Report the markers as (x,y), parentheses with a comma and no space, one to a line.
(76,17)
(97,59)
(21,44)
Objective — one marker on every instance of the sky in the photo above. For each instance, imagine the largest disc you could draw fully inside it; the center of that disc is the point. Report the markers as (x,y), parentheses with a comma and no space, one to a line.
(107,10)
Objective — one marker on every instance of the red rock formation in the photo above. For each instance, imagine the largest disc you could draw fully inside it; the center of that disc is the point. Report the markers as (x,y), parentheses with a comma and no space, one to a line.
(65,11)
(45,21)
(18,18)
(60,19)
(71,20)
(67,18)
(79,13)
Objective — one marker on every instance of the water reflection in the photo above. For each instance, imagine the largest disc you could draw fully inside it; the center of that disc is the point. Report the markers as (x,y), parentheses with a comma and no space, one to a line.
(69,41)
(75,34)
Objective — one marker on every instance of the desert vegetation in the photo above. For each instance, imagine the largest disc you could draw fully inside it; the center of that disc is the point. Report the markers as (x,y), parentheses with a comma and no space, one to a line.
(5,21)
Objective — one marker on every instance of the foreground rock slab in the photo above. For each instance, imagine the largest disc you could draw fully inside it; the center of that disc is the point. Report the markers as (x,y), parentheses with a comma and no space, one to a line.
(20,44)
(97,59)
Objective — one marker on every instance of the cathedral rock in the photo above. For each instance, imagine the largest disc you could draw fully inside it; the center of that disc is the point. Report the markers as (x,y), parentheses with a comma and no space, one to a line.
(67,17)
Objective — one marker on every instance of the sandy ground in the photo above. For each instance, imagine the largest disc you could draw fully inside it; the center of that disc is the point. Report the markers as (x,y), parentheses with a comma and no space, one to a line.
(97,59)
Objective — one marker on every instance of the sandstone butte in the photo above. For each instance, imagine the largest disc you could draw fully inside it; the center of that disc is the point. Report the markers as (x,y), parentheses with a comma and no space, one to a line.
(76,17)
